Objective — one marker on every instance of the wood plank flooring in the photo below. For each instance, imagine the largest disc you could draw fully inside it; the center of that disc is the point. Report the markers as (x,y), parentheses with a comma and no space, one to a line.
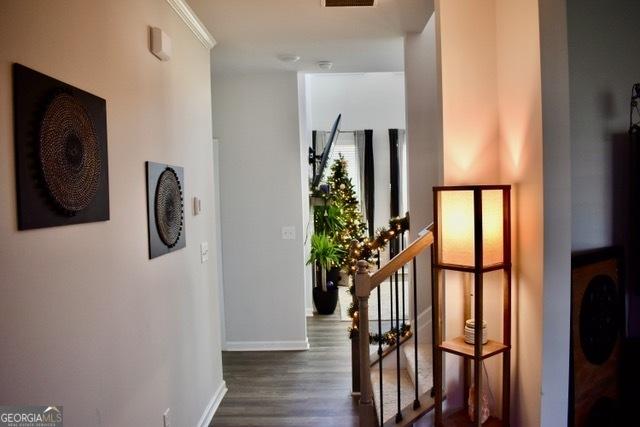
(292,388)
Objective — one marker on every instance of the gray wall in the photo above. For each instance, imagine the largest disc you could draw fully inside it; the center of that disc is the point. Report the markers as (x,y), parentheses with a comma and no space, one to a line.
(424,146)
(255,116)
(87,321)
(604,65)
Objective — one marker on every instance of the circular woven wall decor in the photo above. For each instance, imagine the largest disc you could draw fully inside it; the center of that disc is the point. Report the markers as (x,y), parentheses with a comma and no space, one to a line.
(168,207)
(69,154)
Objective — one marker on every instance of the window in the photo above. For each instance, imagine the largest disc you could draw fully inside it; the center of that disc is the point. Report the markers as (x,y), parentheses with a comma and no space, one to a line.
(346,145)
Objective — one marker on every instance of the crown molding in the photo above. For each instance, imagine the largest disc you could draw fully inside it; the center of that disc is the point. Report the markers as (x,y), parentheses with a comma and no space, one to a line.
(193,22)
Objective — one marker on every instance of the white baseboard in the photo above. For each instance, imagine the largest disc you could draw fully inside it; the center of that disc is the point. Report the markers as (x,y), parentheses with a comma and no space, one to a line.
(266,345)
(211,408)
(309,312)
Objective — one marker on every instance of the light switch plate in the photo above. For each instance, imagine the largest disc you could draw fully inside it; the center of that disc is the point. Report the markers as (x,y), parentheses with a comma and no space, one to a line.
(288,232)
(197,206)
(204,252)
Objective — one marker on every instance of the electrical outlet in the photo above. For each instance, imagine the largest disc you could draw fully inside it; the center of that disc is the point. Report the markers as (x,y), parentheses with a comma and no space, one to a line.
(204,252)
(289,233)
(166,418)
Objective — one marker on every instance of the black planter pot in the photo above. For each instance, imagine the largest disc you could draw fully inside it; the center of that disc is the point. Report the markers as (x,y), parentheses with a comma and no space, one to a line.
(326,301)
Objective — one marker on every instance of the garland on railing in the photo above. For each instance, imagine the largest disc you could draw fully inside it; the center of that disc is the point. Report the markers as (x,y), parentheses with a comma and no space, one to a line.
(367,249)
(388,338)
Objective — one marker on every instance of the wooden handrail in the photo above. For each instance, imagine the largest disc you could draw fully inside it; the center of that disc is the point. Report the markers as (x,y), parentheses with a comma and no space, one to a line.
(402,258)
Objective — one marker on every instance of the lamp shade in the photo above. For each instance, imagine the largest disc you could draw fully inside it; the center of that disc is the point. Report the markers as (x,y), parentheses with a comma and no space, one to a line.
(462,214)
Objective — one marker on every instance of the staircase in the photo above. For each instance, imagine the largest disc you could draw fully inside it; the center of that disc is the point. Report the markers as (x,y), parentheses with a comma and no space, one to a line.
(396,380)
(387,408)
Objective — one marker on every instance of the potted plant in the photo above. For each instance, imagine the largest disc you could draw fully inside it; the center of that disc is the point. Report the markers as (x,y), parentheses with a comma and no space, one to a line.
(326,256)
(329,219)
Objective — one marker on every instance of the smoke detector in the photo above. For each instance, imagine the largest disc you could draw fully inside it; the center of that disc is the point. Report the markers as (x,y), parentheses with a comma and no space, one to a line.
(325,65)
(348,3)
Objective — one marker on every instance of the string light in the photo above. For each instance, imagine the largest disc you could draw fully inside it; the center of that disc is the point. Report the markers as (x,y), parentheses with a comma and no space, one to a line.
(369,247)
(365,249)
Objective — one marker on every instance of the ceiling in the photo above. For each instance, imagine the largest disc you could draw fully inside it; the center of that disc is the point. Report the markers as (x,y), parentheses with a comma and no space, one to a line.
(252,33)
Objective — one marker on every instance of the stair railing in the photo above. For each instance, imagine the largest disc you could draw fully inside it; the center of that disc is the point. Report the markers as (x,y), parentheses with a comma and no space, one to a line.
(365,283)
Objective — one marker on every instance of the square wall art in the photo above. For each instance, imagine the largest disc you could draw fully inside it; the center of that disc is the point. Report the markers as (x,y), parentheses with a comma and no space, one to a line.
(60,151)
(165,208)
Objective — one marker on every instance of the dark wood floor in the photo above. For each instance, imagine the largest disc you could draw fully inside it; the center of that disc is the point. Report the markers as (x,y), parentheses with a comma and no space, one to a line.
(301,388)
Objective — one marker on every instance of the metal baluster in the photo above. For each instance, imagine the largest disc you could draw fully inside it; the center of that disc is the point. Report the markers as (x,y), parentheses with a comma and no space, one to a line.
(402,276)
(390,287)
(399,414)
(416,402)
(380,355)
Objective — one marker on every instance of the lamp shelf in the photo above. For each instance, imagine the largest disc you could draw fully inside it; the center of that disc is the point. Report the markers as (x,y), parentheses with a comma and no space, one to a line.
(471,269)
(461,348)
(460,418)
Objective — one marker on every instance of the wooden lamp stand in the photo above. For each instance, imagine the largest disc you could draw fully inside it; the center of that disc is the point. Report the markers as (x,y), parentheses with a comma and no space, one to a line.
(472,228)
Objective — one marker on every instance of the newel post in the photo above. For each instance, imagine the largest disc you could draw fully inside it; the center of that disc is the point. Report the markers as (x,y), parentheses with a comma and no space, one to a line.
(363,290)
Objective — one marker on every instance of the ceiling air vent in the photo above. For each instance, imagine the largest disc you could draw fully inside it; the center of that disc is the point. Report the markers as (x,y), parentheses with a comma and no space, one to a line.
(348,3)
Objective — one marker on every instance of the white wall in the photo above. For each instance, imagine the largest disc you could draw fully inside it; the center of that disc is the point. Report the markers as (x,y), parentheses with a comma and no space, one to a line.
(495,103)
(366,101)
(557,213)
(306,138)
(255,116)
(424,145)
(87,321)
(469,88)
(468,56)
(521,165)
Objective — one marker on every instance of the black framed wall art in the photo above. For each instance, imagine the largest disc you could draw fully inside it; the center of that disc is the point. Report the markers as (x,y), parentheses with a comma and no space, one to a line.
(598,324)
(165,208)
(60,152)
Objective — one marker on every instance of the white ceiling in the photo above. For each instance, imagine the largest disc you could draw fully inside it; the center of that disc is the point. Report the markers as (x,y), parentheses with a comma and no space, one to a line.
(252,33)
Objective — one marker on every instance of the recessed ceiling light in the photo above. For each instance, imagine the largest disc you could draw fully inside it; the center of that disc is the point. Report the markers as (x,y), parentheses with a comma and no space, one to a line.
(288,58)
(325,65)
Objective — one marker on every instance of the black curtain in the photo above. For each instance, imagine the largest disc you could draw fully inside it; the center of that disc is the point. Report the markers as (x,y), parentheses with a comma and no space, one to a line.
(369,183)
(394,175)
(314,135)
(634,202)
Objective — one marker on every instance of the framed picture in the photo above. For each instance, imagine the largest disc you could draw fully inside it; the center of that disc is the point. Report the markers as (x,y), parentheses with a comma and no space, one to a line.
(62,173)
(597,328)
(165,208)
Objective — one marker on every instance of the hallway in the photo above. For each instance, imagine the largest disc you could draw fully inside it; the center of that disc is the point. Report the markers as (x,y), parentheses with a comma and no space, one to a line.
(294,388)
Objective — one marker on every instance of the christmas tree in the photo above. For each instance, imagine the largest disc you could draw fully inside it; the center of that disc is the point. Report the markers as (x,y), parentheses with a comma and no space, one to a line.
(343,196)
